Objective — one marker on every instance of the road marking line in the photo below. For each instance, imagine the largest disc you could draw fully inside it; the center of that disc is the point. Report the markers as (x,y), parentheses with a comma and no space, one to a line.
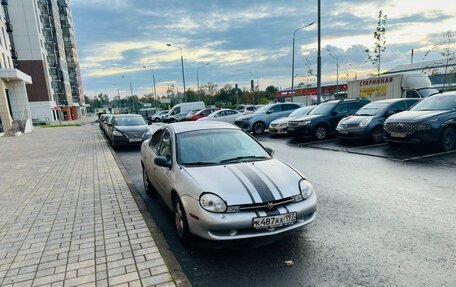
(429,155)
(368,146)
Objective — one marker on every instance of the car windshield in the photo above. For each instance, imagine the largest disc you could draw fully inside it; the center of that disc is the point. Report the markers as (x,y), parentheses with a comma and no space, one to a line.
(220,146)
(263,109)
(436,103)
(300,112)
(323,109)
(372,109)
(130,121)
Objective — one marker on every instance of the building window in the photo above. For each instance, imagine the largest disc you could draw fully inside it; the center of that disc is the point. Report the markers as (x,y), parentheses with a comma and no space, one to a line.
(9,62)
(4,61)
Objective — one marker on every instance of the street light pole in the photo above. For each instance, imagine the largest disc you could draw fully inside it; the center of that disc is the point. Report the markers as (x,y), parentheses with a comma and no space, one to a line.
(293,56)
(197,80)
(334,55)
(131,92)
(182,66)
(258,87)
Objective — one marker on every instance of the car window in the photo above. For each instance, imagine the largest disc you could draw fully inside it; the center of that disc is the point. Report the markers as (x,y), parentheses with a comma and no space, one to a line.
(412,94)
(341,109)
(229,113)
(410,102)
(155,141)
(289,107)
(275,109)
(165,145)
(176,111)
(397,107)
(354,107)
(221,114)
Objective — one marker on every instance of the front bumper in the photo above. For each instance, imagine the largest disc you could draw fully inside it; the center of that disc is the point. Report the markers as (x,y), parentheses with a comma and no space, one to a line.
(352,133)
(278,130)
(300,131)
(124,140)
(238,225)
(419,137)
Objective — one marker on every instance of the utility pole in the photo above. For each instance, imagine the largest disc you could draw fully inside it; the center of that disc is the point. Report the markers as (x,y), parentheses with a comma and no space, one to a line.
(319,55)
(155,92)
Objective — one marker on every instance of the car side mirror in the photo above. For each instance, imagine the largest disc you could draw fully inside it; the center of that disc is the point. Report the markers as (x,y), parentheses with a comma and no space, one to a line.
(270,150)
(334,113)
(163,161)
(269,111)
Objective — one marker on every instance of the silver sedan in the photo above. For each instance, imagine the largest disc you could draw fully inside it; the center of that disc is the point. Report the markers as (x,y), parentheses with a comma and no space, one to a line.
(222,184)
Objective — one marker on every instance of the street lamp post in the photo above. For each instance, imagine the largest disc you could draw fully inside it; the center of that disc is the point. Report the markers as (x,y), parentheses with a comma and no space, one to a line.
(258,87)
(131,92)
(155,91)
(182,66)
(319,53)
(292,60)
(334,55)
(197,79)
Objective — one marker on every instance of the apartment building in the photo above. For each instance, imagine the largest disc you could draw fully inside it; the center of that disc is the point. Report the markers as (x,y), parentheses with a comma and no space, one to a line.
(14,107)
(44,41)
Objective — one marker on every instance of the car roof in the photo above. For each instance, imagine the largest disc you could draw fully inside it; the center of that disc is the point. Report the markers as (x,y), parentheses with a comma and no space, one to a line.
(183,127)
(396,100)
(128,115)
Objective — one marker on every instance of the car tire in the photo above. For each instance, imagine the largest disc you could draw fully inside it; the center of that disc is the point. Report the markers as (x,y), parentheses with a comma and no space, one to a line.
(447,140)
(377,135)
(147,185)
(258,128)
(321,132)
(156,120)
(180,221)
(113,145)
(172,120)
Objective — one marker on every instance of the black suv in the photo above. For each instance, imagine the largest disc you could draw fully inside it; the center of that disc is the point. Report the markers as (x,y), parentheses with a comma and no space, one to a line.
(322,121)
(431,121)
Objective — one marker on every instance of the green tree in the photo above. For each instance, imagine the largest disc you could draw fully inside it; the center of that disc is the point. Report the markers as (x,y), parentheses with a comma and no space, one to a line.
(374,54)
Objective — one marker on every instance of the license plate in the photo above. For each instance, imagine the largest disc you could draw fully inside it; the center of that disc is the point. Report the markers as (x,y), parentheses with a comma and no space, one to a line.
(274,221)
(135,140)
(398,135)
(343,132)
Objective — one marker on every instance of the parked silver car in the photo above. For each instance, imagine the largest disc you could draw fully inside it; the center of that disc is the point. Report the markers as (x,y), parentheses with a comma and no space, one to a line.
(222,184)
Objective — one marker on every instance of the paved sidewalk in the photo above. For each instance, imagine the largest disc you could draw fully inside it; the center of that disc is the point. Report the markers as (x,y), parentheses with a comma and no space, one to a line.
(67,217)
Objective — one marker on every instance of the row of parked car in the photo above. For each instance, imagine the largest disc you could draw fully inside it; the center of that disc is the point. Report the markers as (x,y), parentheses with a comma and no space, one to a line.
(405,120)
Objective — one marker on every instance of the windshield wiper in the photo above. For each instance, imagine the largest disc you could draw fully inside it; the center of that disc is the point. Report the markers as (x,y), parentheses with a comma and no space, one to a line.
(363,115)
(198,163)
(239,158)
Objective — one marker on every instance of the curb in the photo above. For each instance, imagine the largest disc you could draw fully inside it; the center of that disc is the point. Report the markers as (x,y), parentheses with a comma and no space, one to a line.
(171,262)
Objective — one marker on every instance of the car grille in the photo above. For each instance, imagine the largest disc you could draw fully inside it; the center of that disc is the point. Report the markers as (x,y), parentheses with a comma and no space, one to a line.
(273,125)
(242,124)
(293,124)
(347,126)
(404,128)
(264,205)
(134,134)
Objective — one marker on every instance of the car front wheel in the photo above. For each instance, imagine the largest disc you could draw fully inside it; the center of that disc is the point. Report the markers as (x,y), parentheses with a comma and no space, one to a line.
(147,185)
(377,135)
(156,120)
(321,132)
(180,221)
(258,128)
(448,139)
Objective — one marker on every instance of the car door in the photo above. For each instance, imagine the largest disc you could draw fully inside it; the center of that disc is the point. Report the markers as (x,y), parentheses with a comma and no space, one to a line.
(273,113)
(164,176)
(149,156)
(338,113)
(231,116)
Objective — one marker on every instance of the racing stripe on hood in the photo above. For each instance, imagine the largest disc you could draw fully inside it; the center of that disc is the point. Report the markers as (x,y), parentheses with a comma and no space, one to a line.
(271,181)
(272,212)
(243,184)
(260,186)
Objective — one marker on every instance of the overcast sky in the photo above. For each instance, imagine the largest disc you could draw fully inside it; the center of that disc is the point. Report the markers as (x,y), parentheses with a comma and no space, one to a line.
(239,38)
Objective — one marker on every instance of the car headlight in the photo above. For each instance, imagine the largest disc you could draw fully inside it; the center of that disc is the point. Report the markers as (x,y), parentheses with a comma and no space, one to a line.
(148,133)
(212,202)
(365,122)
(304,123)
(306,188)
(117,133)
(283,125)
(423,127)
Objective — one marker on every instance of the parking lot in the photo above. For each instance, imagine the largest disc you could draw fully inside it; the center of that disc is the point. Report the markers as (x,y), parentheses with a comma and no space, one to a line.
(385,217)
(406,153)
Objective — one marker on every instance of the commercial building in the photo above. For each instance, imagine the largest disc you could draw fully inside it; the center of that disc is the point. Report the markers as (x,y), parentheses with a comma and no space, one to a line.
(43,35)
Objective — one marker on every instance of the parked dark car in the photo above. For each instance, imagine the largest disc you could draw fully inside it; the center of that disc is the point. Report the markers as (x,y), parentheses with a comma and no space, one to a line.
(367,123)
(322,121)
(128,130)
(431,121)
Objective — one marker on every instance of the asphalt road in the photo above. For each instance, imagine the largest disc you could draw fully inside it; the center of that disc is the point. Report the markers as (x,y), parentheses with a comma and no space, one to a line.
(386,216)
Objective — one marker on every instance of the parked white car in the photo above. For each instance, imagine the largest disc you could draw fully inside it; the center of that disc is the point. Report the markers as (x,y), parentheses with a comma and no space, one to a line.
(223,115)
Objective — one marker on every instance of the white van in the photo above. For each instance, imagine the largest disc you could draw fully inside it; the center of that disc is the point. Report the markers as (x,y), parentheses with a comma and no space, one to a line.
(179,111)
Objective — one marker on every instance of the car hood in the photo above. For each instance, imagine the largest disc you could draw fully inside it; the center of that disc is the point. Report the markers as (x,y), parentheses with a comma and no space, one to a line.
(247,183)
(414,116)
(307,118)
(282,120)
(354,120)
(128,129)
